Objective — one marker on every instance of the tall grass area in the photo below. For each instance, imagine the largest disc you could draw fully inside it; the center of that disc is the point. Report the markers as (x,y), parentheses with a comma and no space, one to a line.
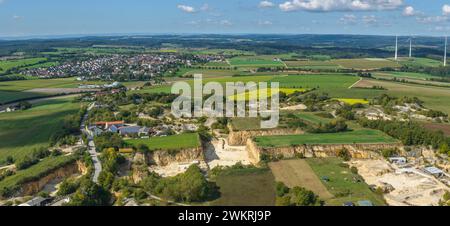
(176,142)
(245,187)
(23,131)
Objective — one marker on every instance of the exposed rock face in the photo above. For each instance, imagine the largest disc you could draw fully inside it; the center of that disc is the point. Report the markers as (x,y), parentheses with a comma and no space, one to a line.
(239,138)
(164,158)
(358,151)
(34,187)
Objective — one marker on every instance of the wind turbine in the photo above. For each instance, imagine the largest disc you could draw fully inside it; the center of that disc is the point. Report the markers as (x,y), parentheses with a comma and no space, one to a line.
(396,47)
(410,47)
(445,52)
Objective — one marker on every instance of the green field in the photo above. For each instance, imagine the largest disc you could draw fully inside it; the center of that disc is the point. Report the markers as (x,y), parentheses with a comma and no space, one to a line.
(312,64)
(352,137)
(312,118)
(411,75)
(176,142)
(39,170)
(23,131)
(342,183)
(217,64)
(421,62)
(246,187)
(255,61)
(369,63)
(246,124)
(435,98)
(8,64)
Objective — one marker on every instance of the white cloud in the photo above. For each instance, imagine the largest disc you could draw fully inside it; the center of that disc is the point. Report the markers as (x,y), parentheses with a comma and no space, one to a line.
(409,11)
(266,4)
(370,20)
(16,17)
(186,8)
(431,19)
(265,23)
(340,5)
(205,7)
(446,9)
(348,19)
(225,23)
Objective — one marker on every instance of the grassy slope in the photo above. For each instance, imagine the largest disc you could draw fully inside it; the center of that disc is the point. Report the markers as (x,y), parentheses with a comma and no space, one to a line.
(35,171)
(22,131)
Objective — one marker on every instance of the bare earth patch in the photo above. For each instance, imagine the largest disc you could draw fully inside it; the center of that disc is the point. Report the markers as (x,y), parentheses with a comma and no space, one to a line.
(410,186)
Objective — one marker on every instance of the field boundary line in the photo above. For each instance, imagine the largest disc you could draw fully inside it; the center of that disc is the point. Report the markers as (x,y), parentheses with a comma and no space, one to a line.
(354,84)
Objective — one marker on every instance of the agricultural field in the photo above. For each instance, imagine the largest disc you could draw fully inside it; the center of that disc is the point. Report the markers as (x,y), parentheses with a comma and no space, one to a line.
(352,137)
(312,64)
(245,187)
(342,183)
(23,131)
(8,64)
(312,118)
(255,62)
(22,89)
(246,124)
(298,173)
(217,64)
(335,85)
(369,63)
(421,62)
(410,75)
(175,142)
(256,93)
(435,98)
(350,101)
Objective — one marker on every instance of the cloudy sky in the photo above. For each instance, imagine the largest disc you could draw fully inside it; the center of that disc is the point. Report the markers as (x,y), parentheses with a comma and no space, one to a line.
(386,17)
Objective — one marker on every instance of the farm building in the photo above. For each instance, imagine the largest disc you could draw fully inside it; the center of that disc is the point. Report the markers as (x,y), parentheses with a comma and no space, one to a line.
(133,130)
(434,171)
(398,160)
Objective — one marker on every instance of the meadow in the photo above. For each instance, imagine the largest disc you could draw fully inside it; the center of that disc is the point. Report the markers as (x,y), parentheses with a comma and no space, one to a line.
(312,64)
(255,61)
(8,64)
(352,137)
(23,131)
(175,142)
(421,62)
(410,75)
(369,63)
(245,187)
(342,183)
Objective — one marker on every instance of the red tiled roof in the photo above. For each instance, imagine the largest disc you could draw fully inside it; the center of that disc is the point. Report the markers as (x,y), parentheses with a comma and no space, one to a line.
(110,123)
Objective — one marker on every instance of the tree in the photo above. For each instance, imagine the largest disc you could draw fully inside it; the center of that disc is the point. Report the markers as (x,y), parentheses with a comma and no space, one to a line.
(302,197)
(281,189)
(90,194)
(444,149)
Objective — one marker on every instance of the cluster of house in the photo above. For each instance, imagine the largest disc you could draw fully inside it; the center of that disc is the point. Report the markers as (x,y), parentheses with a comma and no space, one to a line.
(104,67)
(117,127)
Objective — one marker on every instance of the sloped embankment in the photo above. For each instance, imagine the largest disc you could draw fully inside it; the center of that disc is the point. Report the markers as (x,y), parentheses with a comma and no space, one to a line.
(357,151)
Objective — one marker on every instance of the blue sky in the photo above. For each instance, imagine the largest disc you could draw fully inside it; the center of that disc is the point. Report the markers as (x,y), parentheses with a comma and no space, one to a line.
(62,17)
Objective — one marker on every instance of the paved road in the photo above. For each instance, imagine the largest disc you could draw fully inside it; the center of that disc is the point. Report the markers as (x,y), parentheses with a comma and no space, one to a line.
(91,149)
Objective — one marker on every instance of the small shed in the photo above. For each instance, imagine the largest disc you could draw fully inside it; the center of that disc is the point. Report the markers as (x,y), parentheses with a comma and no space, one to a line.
(434,171)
